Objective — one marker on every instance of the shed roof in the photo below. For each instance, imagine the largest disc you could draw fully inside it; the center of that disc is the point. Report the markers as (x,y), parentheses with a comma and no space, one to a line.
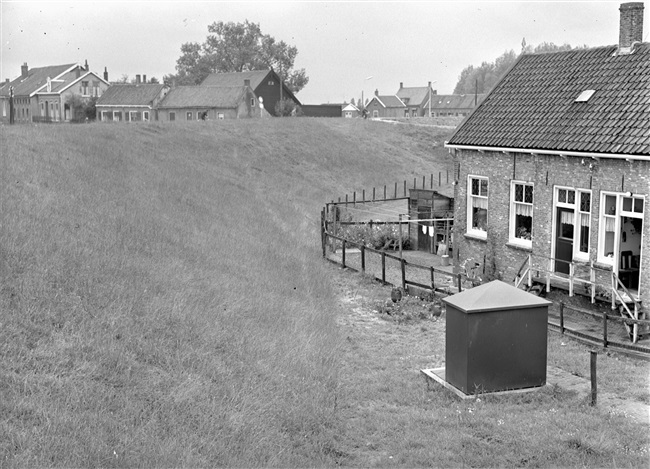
(494,296)
(534,106)
(204,96)
(130,95)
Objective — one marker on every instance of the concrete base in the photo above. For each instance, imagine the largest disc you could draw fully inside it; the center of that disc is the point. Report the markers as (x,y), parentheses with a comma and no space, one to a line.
(438,375)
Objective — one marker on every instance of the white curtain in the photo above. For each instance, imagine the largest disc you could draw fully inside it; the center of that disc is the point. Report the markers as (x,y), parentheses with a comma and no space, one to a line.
(424,229)
(610,224)
(584,219)
(525,210)
(566,218)
(478,202)
(431,231)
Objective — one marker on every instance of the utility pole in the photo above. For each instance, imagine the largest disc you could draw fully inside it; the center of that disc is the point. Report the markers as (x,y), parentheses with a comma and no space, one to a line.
(11,105)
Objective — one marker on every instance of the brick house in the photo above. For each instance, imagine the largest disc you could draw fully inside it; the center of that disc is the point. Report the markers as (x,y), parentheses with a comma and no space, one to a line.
(350,110)
(130,102)
(416,99)
(44,94)
(209,103)
(266,84)
(386,106)
(460,105)
(553,168)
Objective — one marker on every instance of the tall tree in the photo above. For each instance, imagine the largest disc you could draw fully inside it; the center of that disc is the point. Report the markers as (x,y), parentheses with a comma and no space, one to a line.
(237,47)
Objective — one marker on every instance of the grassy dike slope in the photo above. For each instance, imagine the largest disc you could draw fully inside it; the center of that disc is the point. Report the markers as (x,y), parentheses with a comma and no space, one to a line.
(162,296)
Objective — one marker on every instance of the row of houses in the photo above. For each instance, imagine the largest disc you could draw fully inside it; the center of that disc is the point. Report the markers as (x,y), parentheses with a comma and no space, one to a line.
(47,93)
(552,169)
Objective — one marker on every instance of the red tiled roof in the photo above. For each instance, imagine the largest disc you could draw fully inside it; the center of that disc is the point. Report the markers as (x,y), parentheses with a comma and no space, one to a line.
(534,106)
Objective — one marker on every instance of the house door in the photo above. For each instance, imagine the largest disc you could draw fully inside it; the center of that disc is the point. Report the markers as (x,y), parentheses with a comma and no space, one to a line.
(564,239)
(629,260)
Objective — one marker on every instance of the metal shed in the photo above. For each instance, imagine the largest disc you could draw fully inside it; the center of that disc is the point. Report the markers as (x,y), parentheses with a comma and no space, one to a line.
(495,339)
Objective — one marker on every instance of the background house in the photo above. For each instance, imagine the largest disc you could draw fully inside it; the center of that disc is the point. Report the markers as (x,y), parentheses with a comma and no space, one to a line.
(416,99)
(555,164)
(386,106)
(266,84)
(209,102)
(350,110)
(46,94)
(459,105)
(130,102)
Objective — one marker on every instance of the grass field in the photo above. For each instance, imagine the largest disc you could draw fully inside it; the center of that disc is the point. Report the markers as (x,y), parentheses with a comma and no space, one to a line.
(164,303)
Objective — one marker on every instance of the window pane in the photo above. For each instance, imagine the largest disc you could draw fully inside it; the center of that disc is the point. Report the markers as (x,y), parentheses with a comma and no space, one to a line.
(519,193)
(584,232)
(585,202)
(475,189)
(484,187)
(638,205)
(627,204)
(610,204)
(561,196)
(529,195)
(523,227)
(571,197)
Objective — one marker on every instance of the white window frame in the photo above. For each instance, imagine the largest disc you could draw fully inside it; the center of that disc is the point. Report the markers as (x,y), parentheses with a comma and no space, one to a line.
(117,116)
(375,113)
(479,198)
(578,214)
(104,115)
(614,221)
(145,116)
(188,116)
(220,116)
(172,116)
(84,88)
(512,238)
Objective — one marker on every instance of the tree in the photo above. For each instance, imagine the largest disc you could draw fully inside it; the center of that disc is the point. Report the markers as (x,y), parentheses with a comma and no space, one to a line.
(82,109)
(481,79)
(287,107)
(237,47)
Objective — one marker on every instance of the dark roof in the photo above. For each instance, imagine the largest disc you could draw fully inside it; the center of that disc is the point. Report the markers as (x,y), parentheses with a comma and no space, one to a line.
(455,101)
(414,95)
(36,78)
(204,96)
(236,78)
(389,101)
(130,95)
(534,106)
(494,296)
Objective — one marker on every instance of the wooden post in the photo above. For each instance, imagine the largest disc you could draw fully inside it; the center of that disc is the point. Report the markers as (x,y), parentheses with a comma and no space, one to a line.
(561,317)
(439,178)
(400,235)
(423,181)
(343,254)
(395,196)
(447,176)
(383,267)
(346,201)
(354,198)
(364,195)
(405,188)
(384,191)
(433,280)
(594,384)
(363,259)
(605,329)
(460,287)
(403,263)
(323,236)
(373,194)
(431,181)
(415,181)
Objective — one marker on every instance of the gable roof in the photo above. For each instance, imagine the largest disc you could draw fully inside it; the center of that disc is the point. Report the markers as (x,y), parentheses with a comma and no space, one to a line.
(130,94)
(204,97)
(36,78)
(415,95)
(388,101)
(256,77)
(350,107)
(534,105)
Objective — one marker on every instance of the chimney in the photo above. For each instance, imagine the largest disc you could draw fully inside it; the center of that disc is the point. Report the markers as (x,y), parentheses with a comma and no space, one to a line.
(401,85)
(7,81)
(631,25)
(247,83)
(144,78)
(24,70)
(376,92)
(105,74)
(137,79)
(86,65)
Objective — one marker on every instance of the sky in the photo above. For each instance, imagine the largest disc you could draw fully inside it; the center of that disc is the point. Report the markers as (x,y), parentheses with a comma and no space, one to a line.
(347,48)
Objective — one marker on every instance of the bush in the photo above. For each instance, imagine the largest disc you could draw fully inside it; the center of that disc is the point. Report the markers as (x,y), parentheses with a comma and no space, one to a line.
(376,237)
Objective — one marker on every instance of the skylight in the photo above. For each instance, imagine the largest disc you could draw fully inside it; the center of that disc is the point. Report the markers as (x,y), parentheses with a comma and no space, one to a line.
(584,96)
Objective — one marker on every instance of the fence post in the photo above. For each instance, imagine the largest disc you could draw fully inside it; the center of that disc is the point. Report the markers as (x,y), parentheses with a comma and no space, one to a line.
(433,280)
(364,195)
(373,194)
(594,384)
(405,188)
(403,263)
(431,181)
(384,191)
(561,317)
(363,259)
(395,196)
(460,288)
(323,236)
(383,267)
(354,198)
(439,178)
(605,329)
(343,253)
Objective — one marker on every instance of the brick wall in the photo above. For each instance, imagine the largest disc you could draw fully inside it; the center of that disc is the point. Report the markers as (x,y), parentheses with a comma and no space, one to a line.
(501,260)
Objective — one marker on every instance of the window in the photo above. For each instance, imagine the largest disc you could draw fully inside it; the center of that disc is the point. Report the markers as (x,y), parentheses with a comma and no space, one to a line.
(96,89)
(172,116)
(575,225)
(117,115)
(521,213)
(253,102)
(271,83)
(189,115)
(477,206)
(84,88)
(375,113)
(617,210)
(220,116)
(145,116)
(107,116)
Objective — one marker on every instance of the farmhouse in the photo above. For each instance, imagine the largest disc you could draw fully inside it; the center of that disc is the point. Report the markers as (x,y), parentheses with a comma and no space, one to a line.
(416,99)
(266,84)
(130,102)
(209,103)
(553,170)
(46,94)
(454,104)
(386,106)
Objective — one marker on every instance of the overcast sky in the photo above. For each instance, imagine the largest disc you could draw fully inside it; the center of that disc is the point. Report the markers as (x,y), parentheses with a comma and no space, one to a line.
(340,44)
